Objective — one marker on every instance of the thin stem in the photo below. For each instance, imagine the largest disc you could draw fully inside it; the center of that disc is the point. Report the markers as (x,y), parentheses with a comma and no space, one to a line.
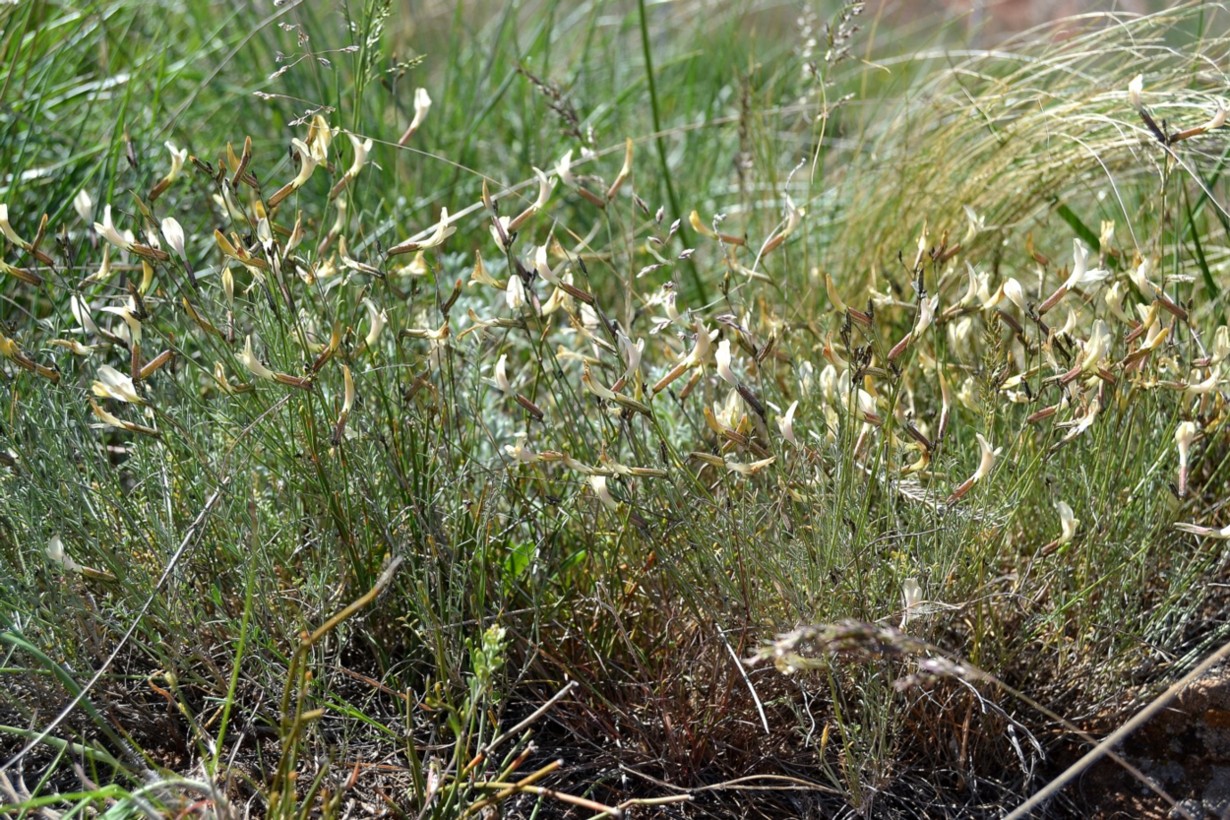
(697,282)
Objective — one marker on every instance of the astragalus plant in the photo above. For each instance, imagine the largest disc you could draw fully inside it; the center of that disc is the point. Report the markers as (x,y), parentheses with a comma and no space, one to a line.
(323,497)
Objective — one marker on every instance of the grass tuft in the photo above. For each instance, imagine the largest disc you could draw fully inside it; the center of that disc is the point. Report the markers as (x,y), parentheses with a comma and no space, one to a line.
(427,415)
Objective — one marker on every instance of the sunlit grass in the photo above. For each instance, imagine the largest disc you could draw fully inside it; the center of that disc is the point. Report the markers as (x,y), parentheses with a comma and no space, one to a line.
(473,470)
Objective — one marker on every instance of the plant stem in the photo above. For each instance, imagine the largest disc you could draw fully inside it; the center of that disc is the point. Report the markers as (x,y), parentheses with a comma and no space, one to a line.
(697,283)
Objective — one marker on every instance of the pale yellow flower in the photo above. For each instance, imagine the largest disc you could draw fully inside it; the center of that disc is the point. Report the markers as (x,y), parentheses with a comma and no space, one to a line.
(500,378)
(1222,534)
(55,551)
(519,450)
(631,353)
(598,484)
(785,424)
(911,599)
(348,390)
(1184,435)
(750,468)
(544,193)
(722,359)
(74,346)
(319,137)
(112,384)
(443,230)
(107,230)
(563,169)
(1135,87)
(173,233)
(701,352)
(129,314)
(514,293)
(254,365)
(307,163)
(83,204)
(1068,523)
(543,267)
(81,312)
(377,318)
(985,464)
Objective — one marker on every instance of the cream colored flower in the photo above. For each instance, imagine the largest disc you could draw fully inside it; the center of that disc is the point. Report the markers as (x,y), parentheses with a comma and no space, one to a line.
(926,315)
(319,137)
(785,424)
(501,228)
(107,230)
(307,163)
(699,355)
(596,387)
(747,469)
(1221,345)
(254,365)
(178,157)
(544,193)
(377,318)
(794,216)
(1184,435)
(224,384)
(443,230)
(543,266)
(83,204)
(1135,88)
(834,297)
(422,104)
(514,293)
(173,233)
(1218,119)
(631,354)
(598,484)
(55,551)
(1097,347)
(1081,276)
(971,287)
(828,384)
(1140,277)
(347,391)
(977,224)
(1114,302)
(722,358)
(563,169)
(81,312)
(519,450)
(911,598)
(1068,523)
(1205,386)
(1011,290)
(112,384)
(228,285)
(75,347)
(1222,534)
(361,149)
(129,314)
(985,464)
(500,379)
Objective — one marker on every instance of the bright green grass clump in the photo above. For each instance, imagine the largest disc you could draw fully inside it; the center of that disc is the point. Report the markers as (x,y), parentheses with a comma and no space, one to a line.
(415,415)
